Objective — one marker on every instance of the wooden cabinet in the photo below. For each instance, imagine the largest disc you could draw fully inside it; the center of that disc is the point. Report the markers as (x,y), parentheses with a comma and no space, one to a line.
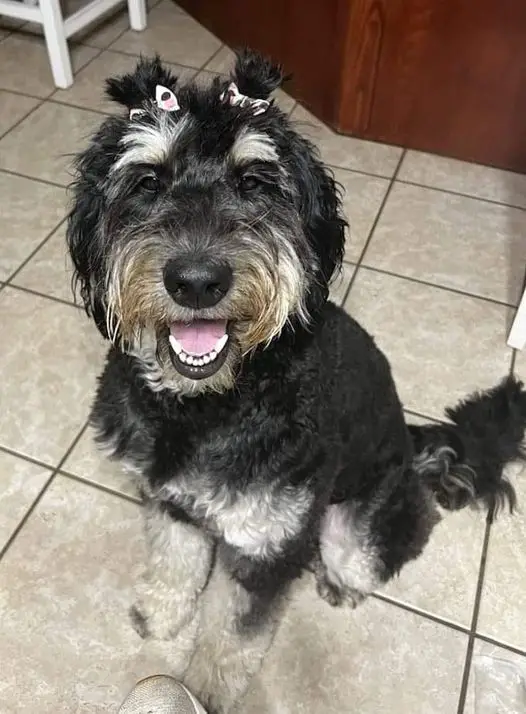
(447,76)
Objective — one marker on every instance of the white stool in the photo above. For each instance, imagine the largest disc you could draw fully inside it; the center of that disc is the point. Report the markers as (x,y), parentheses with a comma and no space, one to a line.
(517,336)
(58,29)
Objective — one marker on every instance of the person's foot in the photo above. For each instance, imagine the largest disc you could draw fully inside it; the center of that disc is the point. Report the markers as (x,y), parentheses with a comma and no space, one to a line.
(160,694)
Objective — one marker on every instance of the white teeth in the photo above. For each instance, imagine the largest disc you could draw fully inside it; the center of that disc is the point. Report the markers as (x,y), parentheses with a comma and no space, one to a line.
(221,343)
(201,360)
(175,345)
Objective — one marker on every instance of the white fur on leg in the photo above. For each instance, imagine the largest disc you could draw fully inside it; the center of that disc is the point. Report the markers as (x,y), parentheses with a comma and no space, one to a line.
(350,563)
(179,562)
(171,656)
(225,659)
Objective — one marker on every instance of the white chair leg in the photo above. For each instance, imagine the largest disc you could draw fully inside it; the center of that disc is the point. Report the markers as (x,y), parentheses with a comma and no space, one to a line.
(137,13)
(517,336)
(56,43)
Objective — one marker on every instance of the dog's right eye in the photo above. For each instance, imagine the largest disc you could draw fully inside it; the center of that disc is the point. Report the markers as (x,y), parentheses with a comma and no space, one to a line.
(149,183)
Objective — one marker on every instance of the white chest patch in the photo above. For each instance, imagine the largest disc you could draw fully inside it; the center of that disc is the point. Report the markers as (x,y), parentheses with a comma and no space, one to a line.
(258,521)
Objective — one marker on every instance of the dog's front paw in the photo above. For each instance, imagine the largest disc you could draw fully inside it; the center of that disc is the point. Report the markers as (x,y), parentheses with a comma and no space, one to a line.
(154,624)
(352,598)
(213,685)
(160,613)
(329,592)
(338,596)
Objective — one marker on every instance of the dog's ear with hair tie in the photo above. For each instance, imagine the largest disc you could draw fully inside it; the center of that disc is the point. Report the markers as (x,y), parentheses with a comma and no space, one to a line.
(149,83)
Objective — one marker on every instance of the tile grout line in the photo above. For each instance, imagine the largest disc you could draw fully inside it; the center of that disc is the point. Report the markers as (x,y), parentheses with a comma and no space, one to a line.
(421,415)
(373,227)
(474,621)
(44,489)
(212,56)
(457,291)
(26,457)
(99,486)
(62,103)
(452,192)
(407,607)
(503,645)
(17,123)
(438,189)
(46,182)
(359,172)
(68,474)
(36,293)
(34,252)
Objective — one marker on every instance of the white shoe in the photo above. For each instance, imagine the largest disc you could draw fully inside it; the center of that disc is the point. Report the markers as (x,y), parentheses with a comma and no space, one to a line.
(160,694)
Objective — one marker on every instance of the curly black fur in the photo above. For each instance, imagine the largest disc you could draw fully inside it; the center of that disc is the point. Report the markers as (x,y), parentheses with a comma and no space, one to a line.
(256,77)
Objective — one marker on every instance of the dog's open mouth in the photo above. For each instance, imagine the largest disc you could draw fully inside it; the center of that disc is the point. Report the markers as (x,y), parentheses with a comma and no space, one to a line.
(198,348)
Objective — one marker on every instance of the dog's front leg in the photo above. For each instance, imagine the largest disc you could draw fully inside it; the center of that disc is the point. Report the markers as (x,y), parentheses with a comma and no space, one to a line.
(239,612)
(178,566)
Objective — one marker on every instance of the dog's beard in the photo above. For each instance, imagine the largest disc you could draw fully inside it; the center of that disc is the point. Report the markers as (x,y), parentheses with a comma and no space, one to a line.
(191,351)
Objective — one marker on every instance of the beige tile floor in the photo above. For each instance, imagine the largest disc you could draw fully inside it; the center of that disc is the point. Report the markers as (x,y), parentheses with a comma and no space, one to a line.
(435,263)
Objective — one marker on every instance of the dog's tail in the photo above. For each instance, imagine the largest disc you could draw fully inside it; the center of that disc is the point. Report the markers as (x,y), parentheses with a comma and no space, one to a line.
(464,462)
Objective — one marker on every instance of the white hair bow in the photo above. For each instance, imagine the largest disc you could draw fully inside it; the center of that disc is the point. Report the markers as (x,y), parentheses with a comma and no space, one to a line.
(164,98)
(233,96)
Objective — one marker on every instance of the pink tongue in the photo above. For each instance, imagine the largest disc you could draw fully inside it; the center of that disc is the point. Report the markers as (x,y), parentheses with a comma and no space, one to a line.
(198,337)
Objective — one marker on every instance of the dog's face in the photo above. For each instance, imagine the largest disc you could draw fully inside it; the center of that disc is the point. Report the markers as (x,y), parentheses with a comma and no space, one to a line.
(202,224)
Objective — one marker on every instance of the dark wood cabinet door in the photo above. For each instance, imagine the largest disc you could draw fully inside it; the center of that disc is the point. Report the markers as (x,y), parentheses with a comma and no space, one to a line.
(447,76)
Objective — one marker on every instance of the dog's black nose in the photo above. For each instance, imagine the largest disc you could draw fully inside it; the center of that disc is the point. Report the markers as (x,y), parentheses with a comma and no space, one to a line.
(197,283)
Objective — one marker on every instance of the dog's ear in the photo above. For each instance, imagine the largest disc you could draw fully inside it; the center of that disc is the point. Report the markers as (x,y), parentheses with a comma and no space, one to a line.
(256,76)
(324,224)
(83,226)
(135,88)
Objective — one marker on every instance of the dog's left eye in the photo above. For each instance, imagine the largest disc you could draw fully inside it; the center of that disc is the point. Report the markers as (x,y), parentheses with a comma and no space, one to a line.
(248,183)
(149,183)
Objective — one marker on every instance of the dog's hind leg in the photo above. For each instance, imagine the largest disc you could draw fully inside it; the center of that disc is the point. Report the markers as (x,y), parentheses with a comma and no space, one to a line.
(364,543)
(178,567)
(348,568)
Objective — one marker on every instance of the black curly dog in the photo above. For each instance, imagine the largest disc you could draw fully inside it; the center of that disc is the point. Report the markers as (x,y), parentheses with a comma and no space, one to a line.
(261,422)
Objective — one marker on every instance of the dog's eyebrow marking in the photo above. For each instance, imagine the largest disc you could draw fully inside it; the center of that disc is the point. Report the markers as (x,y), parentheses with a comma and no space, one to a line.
(253,146)
(147,144)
